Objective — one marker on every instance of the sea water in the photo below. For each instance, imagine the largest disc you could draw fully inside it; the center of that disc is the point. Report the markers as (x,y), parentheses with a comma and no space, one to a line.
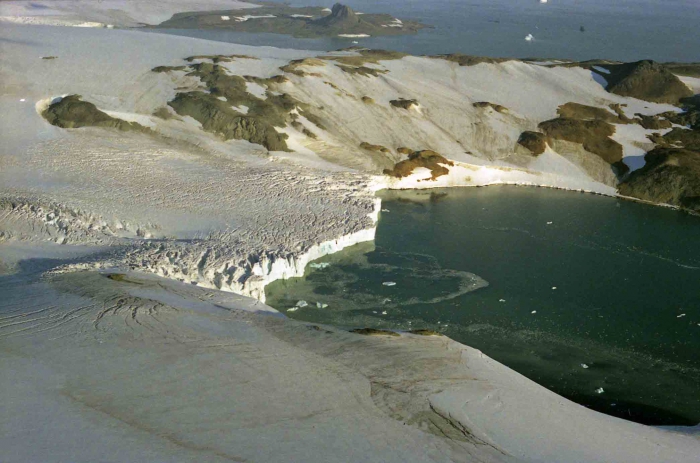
(625,30)
(595,298)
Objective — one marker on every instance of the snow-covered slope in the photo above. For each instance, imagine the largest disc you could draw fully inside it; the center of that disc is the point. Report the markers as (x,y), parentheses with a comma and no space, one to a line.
(135,367)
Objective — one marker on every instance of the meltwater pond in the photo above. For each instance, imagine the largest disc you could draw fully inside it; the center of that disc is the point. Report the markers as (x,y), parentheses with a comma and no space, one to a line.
(595,298)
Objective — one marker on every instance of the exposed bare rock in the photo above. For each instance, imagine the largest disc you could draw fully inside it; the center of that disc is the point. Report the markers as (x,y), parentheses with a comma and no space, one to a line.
(71,112)
(536,142)
(370,147)
(646,80)
(374,332)
(469,60)
(426,158)
(670,176)
(404,103)
(594,135)
(496,107)
(591,113)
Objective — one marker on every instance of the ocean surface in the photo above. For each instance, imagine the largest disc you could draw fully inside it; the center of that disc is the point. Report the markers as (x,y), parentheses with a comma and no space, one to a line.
(625,30)
(595,298)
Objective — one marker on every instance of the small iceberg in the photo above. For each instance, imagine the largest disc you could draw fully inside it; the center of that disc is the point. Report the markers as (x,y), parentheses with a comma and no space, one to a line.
(529,37)
(321,305)
(600,390)
(301,304)
(389,283)
(583,365)
(226,18)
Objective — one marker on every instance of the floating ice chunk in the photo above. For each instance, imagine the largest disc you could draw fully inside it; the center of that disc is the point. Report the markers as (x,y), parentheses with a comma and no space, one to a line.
(301,16)
(384,313)
(681,315)
(529,37)
(386,300)
(534,311)
(501,300)
(389,283)
(543,1)
(226,18)
(583,365)
(600,390)
(293,309)
(554,287)
(355,41)
(352,36)
(385,210)
(550,223)
(301,304)
(319,265)
(23,100)
(321,305)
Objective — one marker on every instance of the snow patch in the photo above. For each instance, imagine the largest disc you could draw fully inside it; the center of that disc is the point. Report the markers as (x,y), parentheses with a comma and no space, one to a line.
(256,90)
(240,19)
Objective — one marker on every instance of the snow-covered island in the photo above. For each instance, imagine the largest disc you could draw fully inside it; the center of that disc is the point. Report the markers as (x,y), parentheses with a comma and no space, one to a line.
(151,186)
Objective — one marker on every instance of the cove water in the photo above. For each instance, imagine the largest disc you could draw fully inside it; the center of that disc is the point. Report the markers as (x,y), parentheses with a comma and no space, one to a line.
(625,30)
(595,298)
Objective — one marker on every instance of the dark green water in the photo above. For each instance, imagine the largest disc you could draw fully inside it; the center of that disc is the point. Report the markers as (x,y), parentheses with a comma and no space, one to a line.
(626,303)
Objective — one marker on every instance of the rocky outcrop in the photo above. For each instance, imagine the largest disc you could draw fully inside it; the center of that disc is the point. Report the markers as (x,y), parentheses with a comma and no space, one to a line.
(593,135)
(646,80)
(71,112)
(426,158)
(403,103)
(377,148)
(496,107)
(583,112)
(469,60)
(215,108)
(535,142)
(220,118)
(670,176)
(374,332)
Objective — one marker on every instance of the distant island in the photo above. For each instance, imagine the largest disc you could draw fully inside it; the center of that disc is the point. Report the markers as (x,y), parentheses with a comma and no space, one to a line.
(304,22)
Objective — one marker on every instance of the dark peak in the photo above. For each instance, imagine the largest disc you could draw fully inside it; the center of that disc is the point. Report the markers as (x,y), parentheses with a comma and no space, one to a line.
(340,15)
(341,11)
